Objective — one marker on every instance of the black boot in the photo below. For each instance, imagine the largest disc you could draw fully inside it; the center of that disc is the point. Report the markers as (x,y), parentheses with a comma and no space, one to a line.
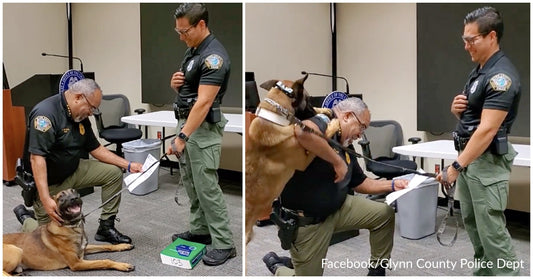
(273,262)
(376,271)
(107,232)
(23,213)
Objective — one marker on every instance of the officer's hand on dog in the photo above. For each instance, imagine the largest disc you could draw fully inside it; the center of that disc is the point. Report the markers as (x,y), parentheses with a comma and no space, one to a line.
(400,184)
(340,171)
(177,80)
(51,209)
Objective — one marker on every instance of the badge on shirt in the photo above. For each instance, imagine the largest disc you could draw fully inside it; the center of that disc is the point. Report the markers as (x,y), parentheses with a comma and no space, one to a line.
(214,61)
(189,66)
(42,123)
(347,157)
(474,87)
(500,82)
(82,129)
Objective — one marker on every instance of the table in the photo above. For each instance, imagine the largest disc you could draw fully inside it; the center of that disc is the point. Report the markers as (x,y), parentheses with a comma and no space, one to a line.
(165,118)
(444,149)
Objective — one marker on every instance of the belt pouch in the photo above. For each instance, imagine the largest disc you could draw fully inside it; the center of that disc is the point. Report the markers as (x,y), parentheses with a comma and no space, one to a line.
(213,116)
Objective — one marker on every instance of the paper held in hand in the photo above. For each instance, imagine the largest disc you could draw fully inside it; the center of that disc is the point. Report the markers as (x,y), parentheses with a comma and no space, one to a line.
(414,183)
(135,179)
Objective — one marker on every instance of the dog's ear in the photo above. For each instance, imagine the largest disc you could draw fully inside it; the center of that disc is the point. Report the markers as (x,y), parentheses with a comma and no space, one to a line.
(268,84)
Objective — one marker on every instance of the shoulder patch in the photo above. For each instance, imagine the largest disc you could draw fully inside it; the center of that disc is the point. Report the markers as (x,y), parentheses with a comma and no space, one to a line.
(214,61)
(500,82)
(42,123)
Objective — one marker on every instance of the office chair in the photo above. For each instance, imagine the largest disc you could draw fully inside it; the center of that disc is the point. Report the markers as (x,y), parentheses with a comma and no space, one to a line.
(377,143)
(109,125)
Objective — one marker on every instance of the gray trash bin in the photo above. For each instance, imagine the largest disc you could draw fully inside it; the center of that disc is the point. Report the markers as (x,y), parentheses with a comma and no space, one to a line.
(417,210)
(137,151)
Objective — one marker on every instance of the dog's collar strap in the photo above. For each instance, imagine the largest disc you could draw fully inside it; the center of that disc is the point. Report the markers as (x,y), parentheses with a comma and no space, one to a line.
(272,117)
(285,89)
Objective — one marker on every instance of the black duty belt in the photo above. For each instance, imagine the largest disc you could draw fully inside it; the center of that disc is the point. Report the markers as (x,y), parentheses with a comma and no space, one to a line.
(459,142)
(302,219)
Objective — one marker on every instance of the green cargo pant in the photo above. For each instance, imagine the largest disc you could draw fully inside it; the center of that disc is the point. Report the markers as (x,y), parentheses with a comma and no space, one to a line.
(198,169)
(89,173)
(357,212)
(483,190)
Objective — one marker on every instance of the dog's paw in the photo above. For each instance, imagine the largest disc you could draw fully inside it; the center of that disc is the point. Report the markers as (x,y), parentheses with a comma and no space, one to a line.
(124,246)
(126,267)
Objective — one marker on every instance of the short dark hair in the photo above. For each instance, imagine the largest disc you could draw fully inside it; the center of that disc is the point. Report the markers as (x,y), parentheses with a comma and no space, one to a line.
(194,12)
(487,19)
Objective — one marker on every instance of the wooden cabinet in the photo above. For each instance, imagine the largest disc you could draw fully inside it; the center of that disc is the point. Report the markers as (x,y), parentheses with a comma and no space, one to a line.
(14,134)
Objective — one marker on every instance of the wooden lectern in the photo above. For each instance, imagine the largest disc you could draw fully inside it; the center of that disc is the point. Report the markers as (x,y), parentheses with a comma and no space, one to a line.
(13,135)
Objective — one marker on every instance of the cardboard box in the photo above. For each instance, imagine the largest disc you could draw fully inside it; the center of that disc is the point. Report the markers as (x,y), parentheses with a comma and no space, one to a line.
(182,253)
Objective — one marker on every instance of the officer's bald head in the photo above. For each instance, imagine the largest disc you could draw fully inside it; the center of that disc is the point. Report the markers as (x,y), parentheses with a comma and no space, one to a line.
(85,86)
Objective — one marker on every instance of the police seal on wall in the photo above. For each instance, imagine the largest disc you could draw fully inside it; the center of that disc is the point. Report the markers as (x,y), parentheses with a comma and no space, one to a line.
(333,98)
(68,78)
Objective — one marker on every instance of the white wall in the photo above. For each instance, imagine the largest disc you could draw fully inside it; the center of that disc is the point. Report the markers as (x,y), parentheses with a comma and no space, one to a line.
(284,39)
(29,30)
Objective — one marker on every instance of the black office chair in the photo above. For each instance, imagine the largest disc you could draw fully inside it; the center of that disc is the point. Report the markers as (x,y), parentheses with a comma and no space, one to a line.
(377,143)
(112,108)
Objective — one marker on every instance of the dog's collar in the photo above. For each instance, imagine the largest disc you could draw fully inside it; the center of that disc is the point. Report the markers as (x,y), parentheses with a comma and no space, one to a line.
(285,89)
(272,117)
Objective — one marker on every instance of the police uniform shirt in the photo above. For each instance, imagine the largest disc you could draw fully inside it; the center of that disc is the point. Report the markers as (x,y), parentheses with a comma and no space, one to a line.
(57,137)
(207,64)
(495,86)
(313,190)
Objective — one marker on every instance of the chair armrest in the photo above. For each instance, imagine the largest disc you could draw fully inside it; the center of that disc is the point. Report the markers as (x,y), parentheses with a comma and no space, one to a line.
(139,111)
(414,140)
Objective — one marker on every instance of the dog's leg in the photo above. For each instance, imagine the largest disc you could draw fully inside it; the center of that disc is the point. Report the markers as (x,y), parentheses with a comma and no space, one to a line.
(12,257)
(91,248)
(81,264)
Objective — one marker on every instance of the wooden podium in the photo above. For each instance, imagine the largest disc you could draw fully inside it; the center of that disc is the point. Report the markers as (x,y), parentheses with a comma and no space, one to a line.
(14,134)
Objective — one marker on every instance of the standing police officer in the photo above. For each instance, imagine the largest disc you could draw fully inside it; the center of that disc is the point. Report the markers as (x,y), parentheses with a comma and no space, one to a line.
(60,134)
(486,111)
(200,84)
(321,207)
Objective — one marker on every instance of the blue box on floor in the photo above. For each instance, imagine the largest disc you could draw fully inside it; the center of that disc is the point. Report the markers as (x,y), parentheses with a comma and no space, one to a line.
(182,253)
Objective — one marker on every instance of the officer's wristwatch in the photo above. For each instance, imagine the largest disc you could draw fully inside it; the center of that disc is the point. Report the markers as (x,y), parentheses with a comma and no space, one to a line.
(457,167)
(183,136)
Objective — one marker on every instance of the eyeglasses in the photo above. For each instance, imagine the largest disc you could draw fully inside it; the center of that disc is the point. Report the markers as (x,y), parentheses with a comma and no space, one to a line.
(94,110)
(472,39)
(184,32)
(362,126)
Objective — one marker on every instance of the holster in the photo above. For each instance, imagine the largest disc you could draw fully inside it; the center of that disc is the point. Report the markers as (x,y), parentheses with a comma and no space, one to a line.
(288,226)
(25,180)
(459,142)
(213,116)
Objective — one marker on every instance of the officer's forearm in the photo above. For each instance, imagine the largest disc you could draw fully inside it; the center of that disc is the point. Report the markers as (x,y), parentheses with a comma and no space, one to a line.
(38,166)
(481,139)
(102,154)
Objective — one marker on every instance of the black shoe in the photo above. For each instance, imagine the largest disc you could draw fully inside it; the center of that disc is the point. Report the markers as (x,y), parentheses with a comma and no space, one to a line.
(23,213)
(273,262)
(107,232)
(219,256)
(376,271)
(198,238)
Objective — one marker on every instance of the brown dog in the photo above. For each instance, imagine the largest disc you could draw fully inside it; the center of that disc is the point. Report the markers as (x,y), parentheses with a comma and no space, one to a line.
(273,152)
(53,246)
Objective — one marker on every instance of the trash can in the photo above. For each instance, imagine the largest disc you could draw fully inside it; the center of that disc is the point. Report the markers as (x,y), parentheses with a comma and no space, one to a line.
(137,151)
(417,209)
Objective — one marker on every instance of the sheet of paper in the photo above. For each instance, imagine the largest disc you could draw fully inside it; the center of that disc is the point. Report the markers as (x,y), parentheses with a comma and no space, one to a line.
(414,183)
(135,179)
